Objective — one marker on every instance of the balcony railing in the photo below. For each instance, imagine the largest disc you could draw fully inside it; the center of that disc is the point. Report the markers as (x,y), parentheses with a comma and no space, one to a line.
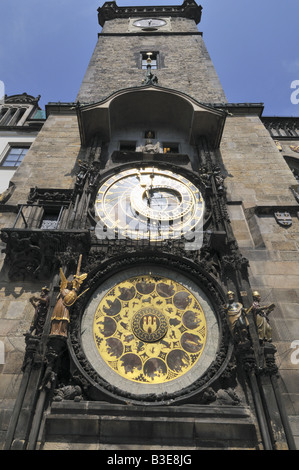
(35,216)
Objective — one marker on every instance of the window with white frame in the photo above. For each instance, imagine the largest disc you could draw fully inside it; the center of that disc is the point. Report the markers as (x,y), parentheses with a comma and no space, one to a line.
(14,156)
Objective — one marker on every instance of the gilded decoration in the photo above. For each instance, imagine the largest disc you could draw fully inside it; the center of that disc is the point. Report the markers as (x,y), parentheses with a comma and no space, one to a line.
(150,329)
(67,297)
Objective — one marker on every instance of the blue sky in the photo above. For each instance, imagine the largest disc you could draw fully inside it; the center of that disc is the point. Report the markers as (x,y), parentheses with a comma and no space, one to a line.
(45,47)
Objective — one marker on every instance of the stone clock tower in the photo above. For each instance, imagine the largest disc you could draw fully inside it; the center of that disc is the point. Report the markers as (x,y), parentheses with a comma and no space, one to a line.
(146,331)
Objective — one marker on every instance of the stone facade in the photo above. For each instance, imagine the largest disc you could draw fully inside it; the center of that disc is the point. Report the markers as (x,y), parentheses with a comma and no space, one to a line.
(259,183)
(51,159)
(185,64)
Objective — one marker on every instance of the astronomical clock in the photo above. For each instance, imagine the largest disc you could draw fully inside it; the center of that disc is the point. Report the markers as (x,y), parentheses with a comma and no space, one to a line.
(146,298)
(149,203)
(149,330)
(151,326)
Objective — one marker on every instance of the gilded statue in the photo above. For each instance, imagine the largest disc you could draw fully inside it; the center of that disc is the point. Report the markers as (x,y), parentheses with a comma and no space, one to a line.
(237,320)
(260,313)
(68,295)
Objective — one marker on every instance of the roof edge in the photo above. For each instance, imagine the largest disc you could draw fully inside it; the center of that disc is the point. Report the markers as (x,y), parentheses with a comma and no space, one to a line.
(110,10)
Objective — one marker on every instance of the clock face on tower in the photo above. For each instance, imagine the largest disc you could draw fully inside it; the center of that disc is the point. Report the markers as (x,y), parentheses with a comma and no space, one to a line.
(149,203)
(149,23)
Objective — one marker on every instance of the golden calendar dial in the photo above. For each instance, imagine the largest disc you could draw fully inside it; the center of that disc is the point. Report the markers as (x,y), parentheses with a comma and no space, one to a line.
(149,329)
(149,203)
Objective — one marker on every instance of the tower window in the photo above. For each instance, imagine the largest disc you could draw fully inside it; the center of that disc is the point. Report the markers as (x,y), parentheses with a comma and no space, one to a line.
(153,56)
(15,156)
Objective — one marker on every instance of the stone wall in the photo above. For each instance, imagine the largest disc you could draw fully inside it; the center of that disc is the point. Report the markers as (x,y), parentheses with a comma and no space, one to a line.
(49,163)
(185,63)
(258,183)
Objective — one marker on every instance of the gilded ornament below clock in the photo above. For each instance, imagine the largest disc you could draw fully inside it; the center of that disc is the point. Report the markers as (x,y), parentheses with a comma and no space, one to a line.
(150,329)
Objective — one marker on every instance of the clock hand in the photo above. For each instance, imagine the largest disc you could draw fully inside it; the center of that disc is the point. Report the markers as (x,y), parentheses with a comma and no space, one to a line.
(147,197)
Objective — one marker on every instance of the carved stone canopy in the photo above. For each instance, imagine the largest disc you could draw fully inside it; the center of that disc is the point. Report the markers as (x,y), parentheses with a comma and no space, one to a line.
(140,107)
(22,99)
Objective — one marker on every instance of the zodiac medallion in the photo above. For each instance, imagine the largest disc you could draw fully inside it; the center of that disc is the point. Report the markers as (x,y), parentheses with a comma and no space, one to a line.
(150,329)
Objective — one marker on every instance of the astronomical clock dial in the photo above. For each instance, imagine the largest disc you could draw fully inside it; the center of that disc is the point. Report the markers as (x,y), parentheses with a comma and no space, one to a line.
(149,329)
(149,203)
(149,23)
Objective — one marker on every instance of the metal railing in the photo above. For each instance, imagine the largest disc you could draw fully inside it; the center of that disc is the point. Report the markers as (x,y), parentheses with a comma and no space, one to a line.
(35,216)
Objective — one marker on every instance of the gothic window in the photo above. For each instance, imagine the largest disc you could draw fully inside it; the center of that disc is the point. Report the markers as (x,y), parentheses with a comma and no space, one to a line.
(14,156)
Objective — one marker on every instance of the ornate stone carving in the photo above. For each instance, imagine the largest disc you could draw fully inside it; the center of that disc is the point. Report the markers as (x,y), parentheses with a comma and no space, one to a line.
(149,147)
(32,356)
(22,99)
(227,397)
(56,346)
(68,392)
(283,218)
(42,196)
(33,254)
